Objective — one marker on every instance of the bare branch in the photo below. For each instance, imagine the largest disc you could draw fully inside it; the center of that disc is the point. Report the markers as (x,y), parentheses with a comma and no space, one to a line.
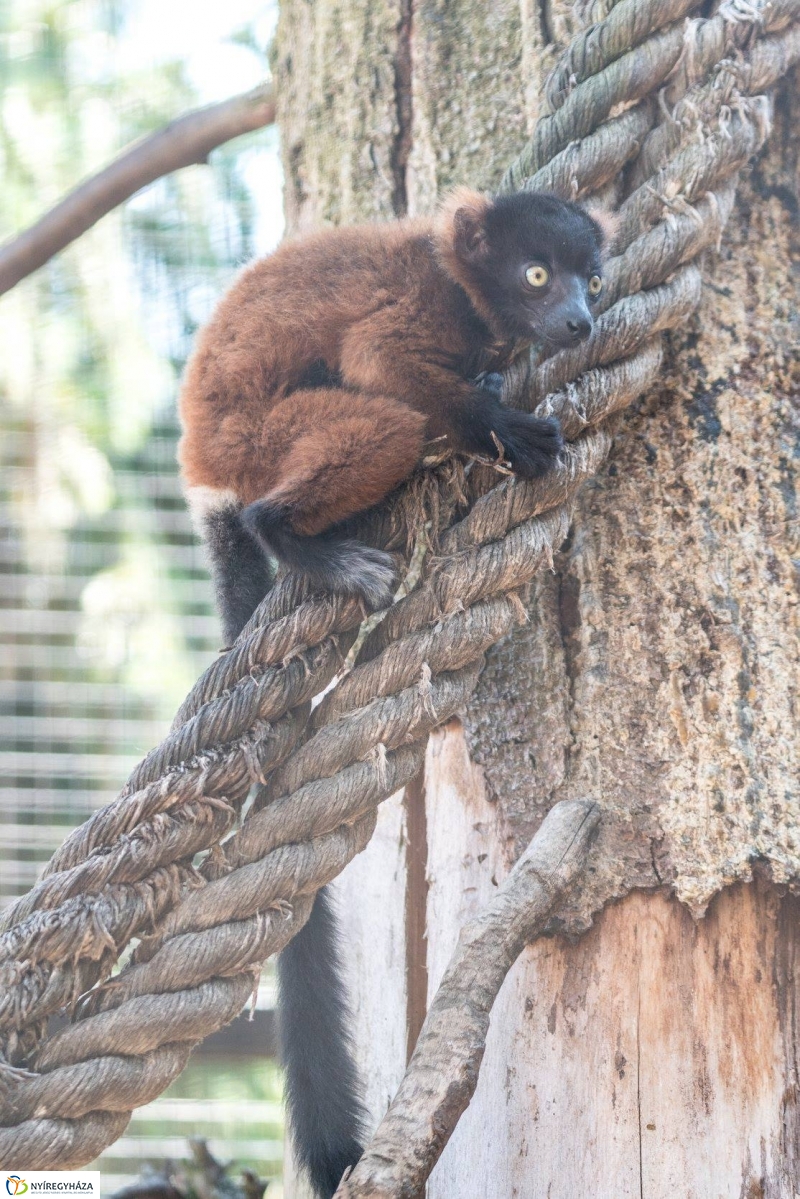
(183,142)
(443,1072)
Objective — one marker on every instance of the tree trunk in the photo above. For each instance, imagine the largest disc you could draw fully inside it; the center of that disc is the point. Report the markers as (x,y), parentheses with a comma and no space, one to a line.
(657,1053)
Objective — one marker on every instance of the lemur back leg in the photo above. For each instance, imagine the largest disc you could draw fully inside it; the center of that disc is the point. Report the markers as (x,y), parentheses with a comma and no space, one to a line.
(348,451)
(241,571)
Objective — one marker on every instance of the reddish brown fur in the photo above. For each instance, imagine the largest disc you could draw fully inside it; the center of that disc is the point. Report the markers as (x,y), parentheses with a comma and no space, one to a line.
(347,451)
(379,307)
(462,209)
(608,221)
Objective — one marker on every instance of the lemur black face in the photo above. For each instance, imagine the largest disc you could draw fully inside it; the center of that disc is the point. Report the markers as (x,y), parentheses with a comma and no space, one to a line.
(540,267)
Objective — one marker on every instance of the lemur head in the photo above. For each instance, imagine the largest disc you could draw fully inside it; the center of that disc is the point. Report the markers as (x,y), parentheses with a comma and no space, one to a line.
(530,263)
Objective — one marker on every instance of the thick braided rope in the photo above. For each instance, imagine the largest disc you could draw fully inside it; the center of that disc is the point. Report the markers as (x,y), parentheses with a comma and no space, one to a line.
(129,870)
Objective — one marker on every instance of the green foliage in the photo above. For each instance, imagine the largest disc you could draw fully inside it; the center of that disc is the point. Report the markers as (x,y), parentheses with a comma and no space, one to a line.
(92,345)
(89,355)
(99,553)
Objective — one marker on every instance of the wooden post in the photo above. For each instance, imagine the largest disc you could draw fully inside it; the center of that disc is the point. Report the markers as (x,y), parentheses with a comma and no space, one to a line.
(650,1049)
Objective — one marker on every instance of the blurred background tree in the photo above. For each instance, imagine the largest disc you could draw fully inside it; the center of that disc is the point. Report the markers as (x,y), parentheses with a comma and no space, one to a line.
(105,608)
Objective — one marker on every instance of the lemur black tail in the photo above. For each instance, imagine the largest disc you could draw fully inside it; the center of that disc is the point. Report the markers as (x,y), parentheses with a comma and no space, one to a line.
(322,1085)
(326,1114)
(241,571)
(334,563)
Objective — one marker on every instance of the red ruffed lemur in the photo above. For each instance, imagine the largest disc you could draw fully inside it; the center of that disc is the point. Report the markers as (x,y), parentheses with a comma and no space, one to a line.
(309,397)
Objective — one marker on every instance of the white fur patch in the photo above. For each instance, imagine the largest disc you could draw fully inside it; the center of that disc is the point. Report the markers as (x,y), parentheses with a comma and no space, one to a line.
(203,500)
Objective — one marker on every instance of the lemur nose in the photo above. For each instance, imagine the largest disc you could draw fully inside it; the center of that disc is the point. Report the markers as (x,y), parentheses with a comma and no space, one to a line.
(580,328)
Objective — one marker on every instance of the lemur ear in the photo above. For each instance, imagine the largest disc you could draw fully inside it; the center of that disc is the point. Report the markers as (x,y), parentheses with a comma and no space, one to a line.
(462,222)
(608,221)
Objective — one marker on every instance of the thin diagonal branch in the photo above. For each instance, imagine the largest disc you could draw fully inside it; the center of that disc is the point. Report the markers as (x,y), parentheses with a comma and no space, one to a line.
(443,1071)
(182,143)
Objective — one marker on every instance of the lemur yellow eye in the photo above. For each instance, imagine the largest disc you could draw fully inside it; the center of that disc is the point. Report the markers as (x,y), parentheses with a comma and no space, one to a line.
(595,285)
(537,276)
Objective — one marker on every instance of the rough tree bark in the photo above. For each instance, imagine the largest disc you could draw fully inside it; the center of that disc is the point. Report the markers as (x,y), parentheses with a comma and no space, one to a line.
(657,1053)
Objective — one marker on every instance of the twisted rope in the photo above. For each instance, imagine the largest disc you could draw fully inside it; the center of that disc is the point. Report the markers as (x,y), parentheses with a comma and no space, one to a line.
(128,873)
